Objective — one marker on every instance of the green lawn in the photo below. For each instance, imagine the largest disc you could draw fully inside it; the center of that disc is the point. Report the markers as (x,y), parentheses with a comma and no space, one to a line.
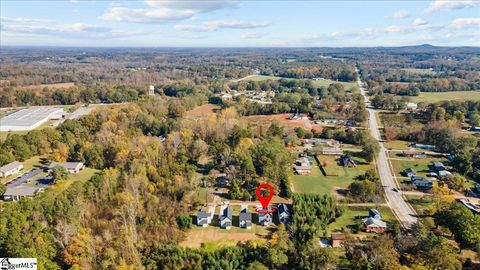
(397,145)
(338,176)
(83,175)
(354,215)
(419,165)
(419,203)
(432,97)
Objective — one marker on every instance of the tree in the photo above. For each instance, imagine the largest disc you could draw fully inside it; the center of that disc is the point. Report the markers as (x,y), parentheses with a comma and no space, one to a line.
(378,253)
(59,173)
(370,149)
(475,119)
(462,223)
(2,189)
(184,221)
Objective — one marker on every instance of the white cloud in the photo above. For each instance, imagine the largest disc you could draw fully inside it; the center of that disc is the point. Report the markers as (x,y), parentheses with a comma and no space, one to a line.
(419,22)
(461,23)
(74,30)
(165,11)
(399,14)
(438,5)
(253,35)
(211,26)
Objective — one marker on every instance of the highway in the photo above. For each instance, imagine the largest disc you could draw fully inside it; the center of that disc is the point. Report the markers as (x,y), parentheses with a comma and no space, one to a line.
(403,210)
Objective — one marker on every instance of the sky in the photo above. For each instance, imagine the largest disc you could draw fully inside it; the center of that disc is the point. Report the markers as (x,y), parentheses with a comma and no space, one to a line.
(237,23)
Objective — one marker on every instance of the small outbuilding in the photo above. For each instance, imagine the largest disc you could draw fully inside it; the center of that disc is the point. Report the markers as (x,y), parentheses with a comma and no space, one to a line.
(245,219)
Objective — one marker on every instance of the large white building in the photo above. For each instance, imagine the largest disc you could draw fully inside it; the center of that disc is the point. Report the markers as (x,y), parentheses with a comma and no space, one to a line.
(28,119)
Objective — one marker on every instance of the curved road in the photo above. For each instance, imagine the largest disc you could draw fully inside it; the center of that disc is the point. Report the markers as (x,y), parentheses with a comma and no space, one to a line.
(403,210)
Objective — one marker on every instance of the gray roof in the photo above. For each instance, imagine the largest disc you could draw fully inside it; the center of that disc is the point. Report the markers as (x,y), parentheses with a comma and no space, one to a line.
(375,222)
(245,216)
(374,212)
(227,213)
(29,117)
(202,218)
(10,166)
(438,164)
(21,191)
(66,165)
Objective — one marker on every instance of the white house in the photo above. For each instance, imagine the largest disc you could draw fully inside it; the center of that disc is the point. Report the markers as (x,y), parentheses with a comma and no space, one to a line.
(10,168)
(71,167)
(412,106)
(225,217)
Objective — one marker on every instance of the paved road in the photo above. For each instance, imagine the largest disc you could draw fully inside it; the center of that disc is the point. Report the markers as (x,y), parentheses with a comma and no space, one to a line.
(402,209)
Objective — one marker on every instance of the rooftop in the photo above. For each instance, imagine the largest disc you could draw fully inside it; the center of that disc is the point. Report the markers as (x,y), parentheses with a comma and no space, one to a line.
(29,117)
(21,191)
(10,166)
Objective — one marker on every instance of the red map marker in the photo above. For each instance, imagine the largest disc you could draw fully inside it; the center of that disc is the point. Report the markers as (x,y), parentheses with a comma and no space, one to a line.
(264,200)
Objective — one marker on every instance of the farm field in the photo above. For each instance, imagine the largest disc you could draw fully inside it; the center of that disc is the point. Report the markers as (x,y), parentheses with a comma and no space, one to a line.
(203,110)
(432,97)
(51,85)
(354,215)
(421,71)
(262,120)
(338,176)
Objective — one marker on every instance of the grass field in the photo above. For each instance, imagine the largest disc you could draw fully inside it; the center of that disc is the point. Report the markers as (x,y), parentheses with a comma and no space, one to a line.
(398,145)
(339,177)
(420,71)
(51,85)
(203,110)
(83,176)
(419,203)
(432,97)
(354,215)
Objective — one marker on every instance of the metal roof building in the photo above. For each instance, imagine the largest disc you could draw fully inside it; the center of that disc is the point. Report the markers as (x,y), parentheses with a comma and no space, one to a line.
(28,119)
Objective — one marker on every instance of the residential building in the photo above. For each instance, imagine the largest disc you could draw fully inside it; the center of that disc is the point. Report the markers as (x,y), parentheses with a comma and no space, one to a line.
(346,161)
(202,218)
(265,219)
(477,129)
(414,154)
(332,151)
(245,219)
(225,217)
(283,213)
(11,168)
(337,239)
(302,166)
(425,146)
(18,192)
(71,167)
(374,225)
(421,183)
(409,172)
(374,213)
(412,106)
(443,174)
(222,180)
(438,166)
